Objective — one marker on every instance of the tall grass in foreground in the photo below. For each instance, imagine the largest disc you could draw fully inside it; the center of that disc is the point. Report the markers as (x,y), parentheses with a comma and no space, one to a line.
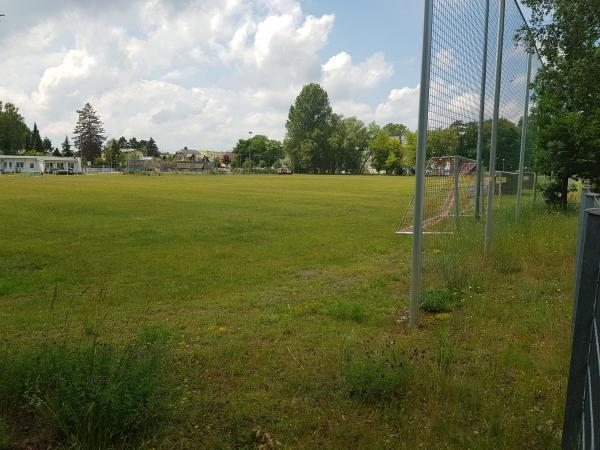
(455,263)
(90,396)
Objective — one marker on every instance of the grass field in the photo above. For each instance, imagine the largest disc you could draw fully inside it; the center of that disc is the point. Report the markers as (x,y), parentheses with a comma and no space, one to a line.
(287,300)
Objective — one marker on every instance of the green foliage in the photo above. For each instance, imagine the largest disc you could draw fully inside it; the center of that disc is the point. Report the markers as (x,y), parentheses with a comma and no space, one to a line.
(309,126)
(554,190)
(348,145)
(89,133)
(377,373)
(395,129)
(257,151)
(95,395)
(387,152)
(112,153)
(441,300)
(347,310)
(66,148)
(567,92)
(47,145)
(14,133)
(36,143)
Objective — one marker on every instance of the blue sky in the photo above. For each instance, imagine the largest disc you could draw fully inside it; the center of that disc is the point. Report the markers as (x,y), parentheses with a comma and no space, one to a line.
(202,73)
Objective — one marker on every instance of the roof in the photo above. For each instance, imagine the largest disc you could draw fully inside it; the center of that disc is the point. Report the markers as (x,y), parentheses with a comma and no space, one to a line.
(44,158)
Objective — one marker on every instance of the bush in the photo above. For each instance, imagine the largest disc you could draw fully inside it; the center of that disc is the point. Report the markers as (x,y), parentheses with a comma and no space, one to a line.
(552,191)
(441,300)
(94,395)
(378,374)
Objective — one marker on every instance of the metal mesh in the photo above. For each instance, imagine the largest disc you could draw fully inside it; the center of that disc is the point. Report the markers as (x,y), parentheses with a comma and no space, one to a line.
(462,84)
(451,186)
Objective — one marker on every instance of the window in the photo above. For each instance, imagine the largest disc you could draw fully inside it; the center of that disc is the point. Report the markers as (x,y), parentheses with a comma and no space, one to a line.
(71,166)
(10,164)
(4,164)
(20,165)
(61,165)
(31,165)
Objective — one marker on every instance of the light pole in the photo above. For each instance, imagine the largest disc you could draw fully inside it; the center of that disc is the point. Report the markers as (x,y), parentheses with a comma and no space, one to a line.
(249,150)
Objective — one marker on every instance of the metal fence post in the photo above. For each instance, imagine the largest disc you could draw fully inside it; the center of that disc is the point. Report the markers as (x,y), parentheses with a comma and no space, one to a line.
(494,144)
(588,200)
(581,413)
(480,129)
(456,190)
(523,140)
(415,286)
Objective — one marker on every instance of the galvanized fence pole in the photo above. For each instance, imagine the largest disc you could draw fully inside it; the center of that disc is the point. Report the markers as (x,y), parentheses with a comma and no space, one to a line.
(523,140)
(415,287)
(588,200)
(582,408)
(456,190)
(480,129)
(534,189)
(494,144)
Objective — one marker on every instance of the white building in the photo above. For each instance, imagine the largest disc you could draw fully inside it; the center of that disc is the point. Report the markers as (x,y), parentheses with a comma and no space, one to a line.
(39,164)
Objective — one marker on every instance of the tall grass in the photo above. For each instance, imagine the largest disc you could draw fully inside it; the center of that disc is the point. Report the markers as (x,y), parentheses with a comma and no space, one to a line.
(91,396)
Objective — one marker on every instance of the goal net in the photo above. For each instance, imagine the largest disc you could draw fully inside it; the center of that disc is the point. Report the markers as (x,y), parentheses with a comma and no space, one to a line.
(450,191)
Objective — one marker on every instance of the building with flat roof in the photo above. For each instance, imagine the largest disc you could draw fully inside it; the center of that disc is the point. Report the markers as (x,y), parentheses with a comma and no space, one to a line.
(39,164)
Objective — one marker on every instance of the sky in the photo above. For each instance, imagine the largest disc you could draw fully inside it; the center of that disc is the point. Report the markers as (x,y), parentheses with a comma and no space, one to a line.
(204,73)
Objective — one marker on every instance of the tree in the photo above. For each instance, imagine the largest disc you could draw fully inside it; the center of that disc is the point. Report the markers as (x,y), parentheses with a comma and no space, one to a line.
(379,150)
(112,153)
(36,141)
(309,127)
(56,152)
(133,143)
(387,153)
(394,163)
(348,143)
(47,145)
(152,148)
(14,133)
(566,90)
(89,133)
(395,129)
(123,142)
(66,148)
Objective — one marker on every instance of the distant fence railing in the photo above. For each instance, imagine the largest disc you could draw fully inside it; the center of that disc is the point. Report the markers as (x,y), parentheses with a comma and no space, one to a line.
(581,428)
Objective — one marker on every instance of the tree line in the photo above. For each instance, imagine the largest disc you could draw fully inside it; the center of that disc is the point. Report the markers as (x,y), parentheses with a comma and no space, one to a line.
(318,140)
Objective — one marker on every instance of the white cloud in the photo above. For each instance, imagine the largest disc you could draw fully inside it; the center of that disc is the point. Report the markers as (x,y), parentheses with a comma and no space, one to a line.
(199,73)
(342,77)
(402,105)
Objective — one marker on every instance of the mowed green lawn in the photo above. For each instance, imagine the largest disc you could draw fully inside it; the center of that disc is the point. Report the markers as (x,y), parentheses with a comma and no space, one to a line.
(268,283)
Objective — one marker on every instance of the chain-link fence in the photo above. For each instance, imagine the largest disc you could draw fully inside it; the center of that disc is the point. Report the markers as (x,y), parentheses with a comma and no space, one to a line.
(474,104)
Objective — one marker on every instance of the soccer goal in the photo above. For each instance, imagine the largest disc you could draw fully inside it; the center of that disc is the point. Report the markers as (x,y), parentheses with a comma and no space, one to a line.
(450,191)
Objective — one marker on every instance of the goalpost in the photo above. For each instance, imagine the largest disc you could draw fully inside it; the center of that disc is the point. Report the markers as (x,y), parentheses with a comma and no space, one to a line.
(450,193)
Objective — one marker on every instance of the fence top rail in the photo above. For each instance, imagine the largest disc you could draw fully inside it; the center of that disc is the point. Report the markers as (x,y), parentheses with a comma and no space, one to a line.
(593,211)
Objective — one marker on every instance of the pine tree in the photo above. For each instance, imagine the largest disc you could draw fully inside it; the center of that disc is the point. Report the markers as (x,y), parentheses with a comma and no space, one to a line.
(56,152)
(89,133)
(36,140)
(47,145)
(66,148)
(152,148)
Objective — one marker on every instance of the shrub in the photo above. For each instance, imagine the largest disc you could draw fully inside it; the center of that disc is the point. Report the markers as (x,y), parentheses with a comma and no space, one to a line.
(441,300)
(377,374)
(94,395)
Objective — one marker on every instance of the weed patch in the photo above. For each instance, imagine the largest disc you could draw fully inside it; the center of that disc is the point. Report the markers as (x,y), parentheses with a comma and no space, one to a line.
(441,300)
(377,374)
(347,310)
(95,395)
